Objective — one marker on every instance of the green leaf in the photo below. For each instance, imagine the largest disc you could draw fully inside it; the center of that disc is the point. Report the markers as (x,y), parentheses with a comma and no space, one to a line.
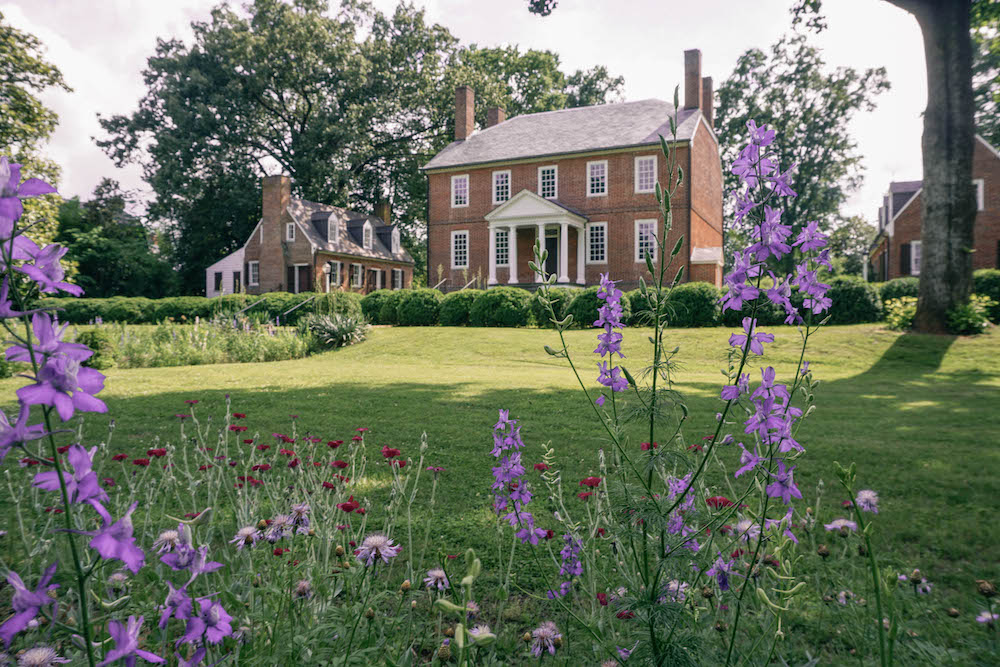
(677,278)
(649,263)
(628,376)
(449,606)
(677,246)
(680,175)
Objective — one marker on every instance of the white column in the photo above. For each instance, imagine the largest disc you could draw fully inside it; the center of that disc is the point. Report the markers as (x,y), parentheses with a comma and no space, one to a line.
(493,256)
(581,242)
(512,245)
(541,245)
(564,252)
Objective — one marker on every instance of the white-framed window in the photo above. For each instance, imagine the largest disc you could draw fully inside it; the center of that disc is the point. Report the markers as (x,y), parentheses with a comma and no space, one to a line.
(645,240)
(366,235)
(397,279)
(502,243)
(548,182)
(501,186)
(597,178)
(645,173)
(356,275)
(915,258)
(290,231)
(460,191)
(460,249)
(334,279)
(980,193)
(597,243)
(395,239)
(254,278)
(332,231)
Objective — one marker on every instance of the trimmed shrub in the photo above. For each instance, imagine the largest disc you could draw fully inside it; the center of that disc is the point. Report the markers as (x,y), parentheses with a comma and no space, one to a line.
(986,282)
(501,307)
(389,312)
(560,298)
(971,318)
(420,308)
(101,342)
(585,305)
(897,288)
(371,304)
(638,305)
(899,313)
(854,301)
(135,310)
(182,309)
(347,304)
(456,307)
(693,305)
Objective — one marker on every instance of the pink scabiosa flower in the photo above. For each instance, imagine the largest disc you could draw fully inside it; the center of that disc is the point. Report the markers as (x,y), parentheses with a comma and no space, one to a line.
(986,617)
(167,541)
(126,638)
(375,547)
(40,656)
(867,501)
(747,529)
(436,578)
(544,639)
(246,537)
(303,590)
(300,517)
(841,525)
(27,603)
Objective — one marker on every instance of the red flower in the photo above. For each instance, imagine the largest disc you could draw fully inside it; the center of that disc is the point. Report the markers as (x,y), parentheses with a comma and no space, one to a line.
(362,429)
(279,551)
(63,449)
(317,464)
(399,463)
(119,457)
(261,466)
(592,482)
(107,481)
(846,503)
(707,437)
(191,401)
(340,464)
(204,467)
(182,417)
(389,452)
(646,446)
(353,544)
(294,463)
(360,510)
(451,556)
(603,599)
(696,447)
(239,415)
(737,553)
(263,448)
(140,462)
(342,478)
(158,452)
(237,428)
(716,502)
(725,530)
(287,452)
(625,614)
(542,467)
(349,506)
(192,515)
(342,526)
(248,441)
(329,485)
(357,438)
(232,464)
(549,534)
(600,531)
(585,495)
(53,509)
(334,443)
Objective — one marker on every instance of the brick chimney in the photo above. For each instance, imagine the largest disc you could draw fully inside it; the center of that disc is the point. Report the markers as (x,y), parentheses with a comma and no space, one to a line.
(692,79)
(465,112)
(383,211)
(277,197)
(495,116)
(707,101)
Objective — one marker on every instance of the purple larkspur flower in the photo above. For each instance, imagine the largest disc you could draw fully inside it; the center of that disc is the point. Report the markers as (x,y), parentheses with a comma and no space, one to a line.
(810,238)
(771,523)
(46,269)
(757,339)
(544,639)
(674,591)
(187,557)
(12,190)
(126,638)
(27,603)
(210,623)
(82,485)
(177,605)
(771,236)
(783,485)
(19,431)
(748,460)
(114,540)
(867,501)
(721,569)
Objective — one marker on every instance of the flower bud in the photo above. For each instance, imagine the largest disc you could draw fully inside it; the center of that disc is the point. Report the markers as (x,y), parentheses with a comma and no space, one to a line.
(720,626)
(986,588)
(557,642)
(444,652)
(707,592)
(406,586)
(915,576)
(862,551)
(526,636)
(449,632)
(312,533)
(952,612)
(339,551)
(262,524)
(809,510)
(413,604)
(823,551)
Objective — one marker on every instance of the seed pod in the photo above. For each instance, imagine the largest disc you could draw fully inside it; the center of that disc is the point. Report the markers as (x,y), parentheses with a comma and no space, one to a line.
(952,612)
(526,636)
(707,592)
(339,551)
(369,613)
(986,588)
(449,632)
(405,586)
(444,653)
(823,551)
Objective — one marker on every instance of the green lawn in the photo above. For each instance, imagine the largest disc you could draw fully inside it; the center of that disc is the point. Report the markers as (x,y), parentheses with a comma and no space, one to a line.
(920,416)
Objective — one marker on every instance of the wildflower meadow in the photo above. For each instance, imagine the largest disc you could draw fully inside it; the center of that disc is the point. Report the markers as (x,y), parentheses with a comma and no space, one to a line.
(206,536)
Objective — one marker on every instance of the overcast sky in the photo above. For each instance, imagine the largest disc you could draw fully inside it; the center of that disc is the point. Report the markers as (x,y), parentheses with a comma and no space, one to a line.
(101,47)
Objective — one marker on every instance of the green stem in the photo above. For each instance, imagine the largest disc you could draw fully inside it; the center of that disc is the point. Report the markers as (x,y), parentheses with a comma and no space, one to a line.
(873,565)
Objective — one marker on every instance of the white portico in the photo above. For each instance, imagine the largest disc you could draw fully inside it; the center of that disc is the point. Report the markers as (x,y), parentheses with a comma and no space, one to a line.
(550,223)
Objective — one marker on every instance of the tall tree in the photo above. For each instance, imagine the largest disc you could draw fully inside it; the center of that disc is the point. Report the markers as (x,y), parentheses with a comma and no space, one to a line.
(791,90)
(26,123)
(350,104)
(849,241)
(986,69)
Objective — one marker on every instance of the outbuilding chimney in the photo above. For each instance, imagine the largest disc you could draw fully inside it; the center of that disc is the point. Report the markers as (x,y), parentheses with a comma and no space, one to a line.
(707,101)
(465,112)
(692,79)
(277,196)
(383,211)
(495,116)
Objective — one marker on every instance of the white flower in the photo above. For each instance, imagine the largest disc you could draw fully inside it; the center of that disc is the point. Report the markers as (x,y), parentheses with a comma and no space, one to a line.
(40,656)
(167,541)
(747,529)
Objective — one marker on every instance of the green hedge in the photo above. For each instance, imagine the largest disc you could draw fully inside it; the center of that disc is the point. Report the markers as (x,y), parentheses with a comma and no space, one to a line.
(560,297)
(854,301)
(371,305)
(694,305)
(585,305)
(457,306)
(389,312)
(501,307)
(420,308)
(986,282)
(100,341)
(897,288)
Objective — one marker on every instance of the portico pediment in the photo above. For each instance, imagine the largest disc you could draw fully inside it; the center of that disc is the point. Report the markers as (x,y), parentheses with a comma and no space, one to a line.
(529,208)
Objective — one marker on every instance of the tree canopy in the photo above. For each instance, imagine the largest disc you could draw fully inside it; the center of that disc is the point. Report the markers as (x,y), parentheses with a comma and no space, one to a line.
(985,33)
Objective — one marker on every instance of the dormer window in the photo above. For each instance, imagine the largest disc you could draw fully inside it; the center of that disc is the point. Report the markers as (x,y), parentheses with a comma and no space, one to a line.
(395,240)
(290,232)
(332,231)
(367,236)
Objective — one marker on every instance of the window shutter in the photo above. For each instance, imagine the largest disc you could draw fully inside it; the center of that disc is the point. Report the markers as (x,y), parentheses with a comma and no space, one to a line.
(904,259)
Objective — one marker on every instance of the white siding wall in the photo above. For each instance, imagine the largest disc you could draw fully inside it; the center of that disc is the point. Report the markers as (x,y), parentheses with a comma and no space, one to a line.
(227,265)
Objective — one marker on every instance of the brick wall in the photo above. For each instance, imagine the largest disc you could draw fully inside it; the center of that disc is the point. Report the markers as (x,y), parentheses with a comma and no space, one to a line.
(368,284)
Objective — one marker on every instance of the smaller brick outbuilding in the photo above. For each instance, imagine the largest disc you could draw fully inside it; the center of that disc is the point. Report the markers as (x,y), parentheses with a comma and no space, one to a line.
(896,250)
(302,246)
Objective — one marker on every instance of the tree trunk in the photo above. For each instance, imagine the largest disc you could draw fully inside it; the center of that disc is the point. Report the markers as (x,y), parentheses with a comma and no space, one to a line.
(949,203)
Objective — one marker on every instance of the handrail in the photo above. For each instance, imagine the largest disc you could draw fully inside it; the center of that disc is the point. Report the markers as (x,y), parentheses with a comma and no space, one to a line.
(277,320)
(468,283)
(261,300)
(443,281)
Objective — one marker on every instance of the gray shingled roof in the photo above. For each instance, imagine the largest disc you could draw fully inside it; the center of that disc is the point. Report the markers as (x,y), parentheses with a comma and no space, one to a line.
(313,218)
(576,130)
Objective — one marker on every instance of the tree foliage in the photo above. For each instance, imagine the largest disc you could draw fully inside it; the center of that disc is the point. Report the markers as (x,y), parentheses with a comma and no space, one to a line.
(986,69)
(848,244)
(349,103)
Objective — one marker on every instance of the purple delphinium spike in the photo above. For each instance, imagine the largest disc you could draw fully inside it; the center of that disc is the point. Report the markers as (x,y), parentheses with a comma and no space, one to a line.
(177,605)
(114,541)
(211,623)
(783,485)
(82,486)
(609,341)
(27,603)
(126,638)
(19,431)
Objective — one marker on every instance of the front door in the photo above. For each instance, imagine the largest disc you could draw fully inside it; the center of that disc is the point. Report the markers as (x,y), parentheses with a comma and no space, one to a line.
(552,261)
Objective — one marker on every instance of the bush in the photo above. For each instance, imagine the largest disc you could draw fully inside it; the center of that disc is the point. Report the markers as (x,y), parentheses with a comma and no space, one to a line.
(371,304)
(181,308)
(134,310)
(501,307)
(585,304)
(102,343)
(986,282)
(971,318)
(560,297)
(854,301)
(420,308)
(336,330)
(389,312)
(899,313)
(693,305)
(337,303)
(897,288)
(456,307)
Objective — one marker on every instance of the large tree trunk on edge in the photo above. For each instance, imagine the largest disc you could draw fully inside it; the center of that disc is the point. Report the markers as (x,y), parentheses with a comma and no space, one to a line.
(949,201)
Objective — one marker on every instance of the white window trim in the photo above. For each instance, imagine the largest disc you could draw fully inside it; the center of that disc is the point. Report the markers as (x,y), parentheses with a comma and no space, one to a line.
(290,232)
(357,275)
(468,190)
(638,257)
(586,236)
(598,194)
(254,269)
(510,187)
(555,194)
(332,231)
(916,257)
(496,247)
(635,170)
(367,235)
(395,239)
(980,193)
(334,277)
(454,234)
(397,272)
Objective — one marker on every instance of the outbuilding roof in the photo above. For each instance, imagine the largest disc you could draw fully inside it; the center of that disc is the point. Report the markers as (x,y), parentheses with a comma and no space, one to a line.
(348,239)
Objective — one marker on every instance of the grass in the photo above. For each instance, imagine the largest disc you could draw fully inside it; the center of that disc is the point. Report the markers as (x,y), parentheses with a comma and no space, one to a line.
(918,414)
